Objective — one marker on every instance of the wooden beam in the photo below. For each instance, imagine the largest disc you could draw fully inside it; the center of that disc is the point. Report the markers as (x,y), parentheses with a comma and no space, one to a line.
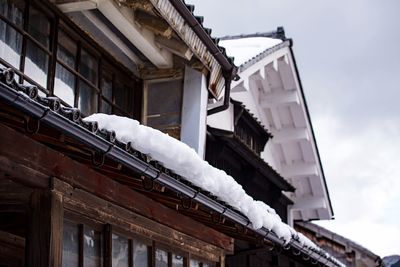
(280,98)
(287,135)
(299,169)
(44,237)
(85,204)
(26,152)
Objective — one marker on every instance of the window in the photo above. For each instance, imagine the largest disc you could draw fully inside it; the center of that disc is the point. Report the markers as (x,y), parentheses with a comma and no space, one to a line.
(90,244)
(81,77)
(164,115)
(78,238)
(120,251)
(199,263)
(22,47)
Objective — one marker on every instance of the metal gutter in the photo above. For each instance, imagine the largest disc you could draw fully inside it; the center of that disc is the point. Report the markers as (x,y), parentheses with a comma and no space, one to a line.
(181,7)
(229,69)
(225,104)
(46,115)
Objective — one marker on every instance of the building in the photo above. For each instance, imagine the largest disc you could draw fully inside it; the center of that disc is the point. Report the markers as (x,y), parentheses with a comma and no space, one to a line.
(75,193)
(265,138)
(349,252)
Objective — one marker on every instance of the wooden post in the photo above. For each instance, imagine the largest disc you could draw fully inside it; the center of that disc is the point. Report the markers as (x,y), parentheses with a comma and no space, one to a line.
(44,237)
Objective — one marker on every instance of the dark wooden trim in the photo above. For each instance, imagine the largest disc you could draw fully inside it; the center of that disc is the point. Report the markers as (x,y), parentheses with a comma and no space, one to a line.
(107,233)
(86,204)
(44,237)
(80,245)
(24,151)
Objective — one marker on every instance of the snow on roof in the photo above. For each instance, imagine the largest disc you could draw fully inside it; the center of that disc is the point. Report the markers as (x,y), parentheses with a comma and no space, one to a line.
(244,49)
(183,160)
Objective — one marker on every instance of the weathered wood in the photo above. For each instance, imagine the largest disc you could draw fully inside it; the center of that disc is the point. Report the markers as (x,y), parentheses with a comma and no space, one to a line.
(25,151)
(44,237)
(88,205)
(12,250)
(107,245)
(21,173)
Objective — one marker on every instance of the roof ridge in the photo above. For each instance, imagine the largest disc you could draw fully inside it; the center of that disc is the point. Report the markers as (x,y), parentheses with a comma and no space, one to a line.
(279,33)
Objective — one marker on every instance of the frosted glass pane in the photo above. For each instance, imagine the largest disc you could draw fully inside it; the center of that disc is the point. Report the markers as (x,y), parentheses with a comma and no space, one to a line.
(105,107)
(161,258)
(106,86)
(194,263)
(92,251)
(64,84)
(123,97)
(88,99)
(177,260)
(36,64)
(88,67)
(39,27)
(10,44)
(140,254)
(13,10)
(66,50)
(70,250)
(120,255)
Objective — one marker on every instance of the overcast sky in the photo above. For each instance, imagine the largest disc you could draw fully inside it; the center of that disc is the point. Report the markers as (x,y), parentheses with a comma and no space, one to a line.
(348,55)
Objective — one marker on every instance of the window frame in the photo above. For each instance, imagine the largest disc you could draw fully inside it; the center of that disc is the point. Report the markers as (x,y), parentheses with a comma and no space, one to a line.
(83,222)
(60,22)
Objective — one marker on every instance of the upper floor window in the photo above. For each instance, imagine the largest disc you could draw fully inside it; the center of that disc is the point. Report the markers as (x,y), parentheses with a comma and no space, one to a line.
(61,62)
(163,106)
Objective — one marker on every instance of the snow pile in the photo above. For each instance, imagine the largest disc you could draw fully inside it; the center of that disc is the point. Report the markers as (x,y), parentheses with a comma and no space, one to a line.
(183,160)
(245,49)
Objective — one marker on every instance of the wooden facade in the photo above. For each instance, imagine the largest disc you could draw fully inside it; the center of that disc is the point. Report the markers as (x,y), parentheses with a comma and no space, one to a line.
(46,189)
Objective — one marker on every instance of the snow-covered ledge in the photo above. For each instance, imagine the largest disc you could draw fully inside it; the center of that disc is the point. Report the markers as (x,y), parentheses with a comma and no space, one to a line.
(183,160)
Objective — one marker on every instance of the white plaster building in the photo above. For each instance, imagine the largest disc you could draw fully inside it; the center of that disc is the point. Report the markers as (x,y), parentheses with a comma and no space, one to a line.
(270,87)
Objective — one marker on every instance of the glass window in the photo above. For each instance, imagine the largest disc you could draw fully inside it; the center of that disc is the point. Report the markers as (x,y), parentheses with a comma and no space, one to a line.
(161,258)
(122,97)
(120,254)
(39,27)
(13,10)
(140,254)
(106,86)
(70,250)
(10,44)
(36,64)
(177,260)
(194,263)
(87,101)
(64,85)
(67,49)
(88,67)
(105,107)
(92,248)
(165,115)
(171,94)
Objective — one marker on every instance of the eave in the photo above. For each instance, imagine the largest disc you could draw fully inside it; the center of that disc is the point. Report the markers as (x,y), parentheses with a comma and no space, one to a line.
(252,158)
(24,99)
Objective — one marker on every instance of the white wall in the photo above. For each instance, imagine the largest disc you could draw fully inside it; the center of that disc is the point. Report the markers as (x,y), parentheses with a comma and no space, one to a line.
(194,110)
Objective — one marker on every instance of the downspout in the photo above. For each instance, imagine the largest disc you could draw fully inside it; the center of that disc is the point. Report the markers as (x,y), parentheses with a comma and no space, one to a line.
(227,96)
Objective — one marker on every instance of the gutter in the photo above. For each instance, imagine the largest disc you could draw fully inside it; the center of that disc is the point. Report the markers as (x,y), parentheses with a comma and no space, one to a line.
(225,104)
(51,114)
(229,69)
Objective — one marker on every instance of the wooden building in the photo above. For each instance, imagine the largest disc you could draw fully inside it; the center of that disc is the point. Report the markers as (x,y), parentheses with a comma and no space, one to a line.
(74,195)
(348,251)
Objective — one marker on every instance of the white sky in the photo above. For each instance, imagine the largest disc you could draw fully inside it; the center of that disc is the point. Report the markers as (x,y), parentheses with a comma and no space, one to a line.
(349,61)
